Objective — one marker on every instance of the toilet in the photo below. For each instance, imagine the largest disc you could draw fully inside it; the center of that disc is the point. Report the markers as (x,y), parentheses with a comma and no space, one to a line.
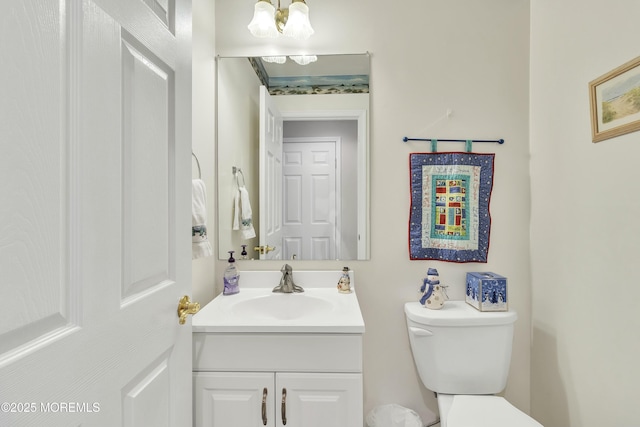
(463,355)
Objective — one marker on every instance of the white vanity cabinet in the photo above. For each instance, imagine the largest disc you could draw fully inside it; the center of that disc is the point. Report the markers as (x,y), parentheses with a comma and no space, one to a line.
(276,380)
(277,399)
(270,359)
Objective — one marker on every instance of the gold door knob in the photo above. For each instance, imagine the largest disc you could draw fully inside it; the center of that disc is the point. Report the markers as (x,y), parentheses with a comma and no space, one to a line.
(264,249)
(186,307)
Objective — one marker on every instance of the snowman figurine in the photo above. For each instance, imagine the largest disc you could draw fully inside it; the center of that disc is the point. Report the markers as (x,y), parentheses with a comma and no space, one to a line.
(433,295)
(344,284)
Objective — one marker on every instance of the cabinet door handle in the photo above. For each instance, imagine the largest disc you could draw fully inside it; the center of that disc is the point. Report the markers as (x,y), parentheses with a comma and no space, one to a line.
(284,406)
(264,406)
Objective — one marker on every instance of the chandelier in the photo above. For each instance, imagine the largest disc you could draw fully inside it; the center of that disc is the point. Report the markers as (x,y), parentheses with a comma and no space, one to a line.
(292,22)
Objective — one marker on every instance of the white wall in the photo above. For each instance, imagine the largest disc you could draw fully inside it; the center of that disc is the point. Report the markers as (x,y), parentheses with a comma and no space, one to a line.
(203,136)
(238,131)
(586,205)
(427,57)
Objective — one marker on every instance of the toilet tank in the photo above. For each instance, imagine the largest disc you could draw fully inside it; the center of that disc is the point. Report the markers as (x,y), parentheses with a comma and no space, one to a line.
(460,350)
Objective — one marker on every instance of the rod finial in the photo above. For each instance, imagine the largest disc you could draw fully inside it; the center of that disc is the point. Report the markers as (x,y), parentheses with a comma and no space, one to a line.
(501,141)
(405,139)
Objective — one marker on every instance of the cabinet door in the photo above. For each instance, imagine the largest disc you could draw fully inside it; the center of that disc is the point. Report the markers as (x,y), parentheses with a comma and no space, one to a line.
(318,400)
(233,399)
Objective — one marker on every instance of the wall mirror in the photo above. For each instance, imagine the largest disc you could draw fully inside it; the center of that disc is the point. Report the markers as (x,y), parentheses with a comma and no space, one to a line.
(292,145)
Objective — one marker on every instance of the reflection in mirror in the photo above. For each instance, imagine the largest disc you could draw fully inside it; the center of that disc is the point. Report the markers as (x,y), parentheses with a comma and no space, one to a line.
(292,145)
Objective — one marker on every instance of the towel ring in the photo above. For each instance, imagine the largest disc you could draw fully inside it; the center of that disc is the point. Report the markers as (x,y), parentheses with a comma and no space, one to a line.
(236,173)
(197,163)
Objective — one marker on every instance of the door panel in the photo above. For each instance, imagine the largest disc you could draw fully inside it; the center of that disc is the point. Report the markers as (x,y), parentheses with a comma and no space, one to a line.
(146,399)
(319,400)
(33,187)
(271,127)
(164,13)
(311,198)
(148,145)
(92,259)
(233,399)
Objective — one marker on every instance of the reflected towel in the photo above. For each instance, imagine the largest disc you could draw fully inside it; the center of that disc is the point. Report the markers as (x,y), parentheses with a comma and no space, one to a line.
(242,218)
(200,245)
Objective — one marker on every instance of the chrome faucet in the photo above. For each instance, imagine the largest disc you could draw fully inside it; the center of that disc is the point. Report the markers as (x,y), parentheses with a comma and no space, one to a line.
(286,282)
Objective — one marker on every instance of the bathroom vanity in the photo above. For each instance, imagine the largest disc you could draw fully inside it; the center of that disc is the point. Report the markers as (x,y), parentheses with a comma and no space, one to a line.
(270,359)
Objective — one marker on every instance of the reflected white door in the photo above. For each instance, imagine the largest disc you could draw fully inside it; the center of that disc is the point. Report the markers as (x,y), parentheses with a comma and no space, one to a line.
(311,198)
(94,215)
(270,222)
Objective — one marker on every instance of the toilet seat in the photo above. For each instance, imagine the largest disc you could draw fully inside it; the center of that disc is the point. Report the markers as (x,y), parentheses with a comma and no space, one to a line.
(486,411)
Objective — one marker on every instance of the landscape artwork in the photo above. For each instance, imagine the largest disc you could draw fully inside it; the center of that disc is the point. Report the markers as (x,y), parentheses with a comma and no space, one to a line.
(615,102)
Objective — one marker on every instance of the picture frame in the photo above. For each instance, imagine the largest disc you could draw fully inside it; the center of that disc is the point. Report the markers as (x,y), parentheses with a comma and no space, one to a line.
(615,102)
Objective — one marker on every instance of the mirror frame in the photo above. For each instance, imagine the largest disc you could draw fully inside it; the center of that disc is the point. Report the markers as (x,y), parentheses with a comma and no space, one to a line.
(363,163)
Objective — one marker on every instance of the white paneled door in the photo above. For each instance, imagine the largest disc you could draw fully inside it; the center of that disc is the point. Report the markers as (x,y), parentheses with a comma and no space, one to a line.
(311,198)
(271,129)
(94,212)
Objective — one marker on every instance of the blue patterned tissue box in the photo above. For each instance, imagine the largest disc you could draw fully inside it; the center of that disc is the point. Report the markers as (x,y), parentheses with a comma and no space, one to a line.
(487,291)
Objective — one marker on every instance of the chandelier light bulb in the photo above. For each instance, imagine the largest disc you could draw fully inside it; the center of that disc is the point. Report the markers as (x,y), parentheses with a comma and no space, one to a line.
(298,24)
(275,59)
(304,59)
(263,23)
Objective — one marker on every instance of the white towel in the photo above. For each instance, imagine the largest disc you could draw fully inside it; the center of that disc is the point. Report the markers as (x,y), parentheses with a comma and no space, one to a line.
(200,245)
(242,218)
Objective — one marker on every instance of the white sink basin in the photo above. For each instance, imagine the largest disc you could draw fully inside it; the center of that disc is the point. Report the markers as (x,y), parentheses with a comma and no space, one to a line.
(319,309)
(283,306)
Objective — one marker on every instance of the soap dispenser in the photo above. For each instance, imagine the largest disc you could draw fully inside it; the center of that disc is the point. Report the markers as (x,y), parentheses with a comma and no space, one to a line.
(231,277)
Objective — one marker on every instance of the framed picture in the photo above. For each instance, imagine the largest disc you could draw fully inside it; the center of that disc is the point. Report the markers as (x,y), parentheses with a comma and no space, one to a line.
(449,218)
(615,102)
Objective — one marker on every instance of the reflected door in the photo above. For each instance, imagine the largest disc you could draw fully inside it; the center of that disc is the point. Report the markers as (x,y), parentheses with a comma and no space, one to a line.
(311,199)
(271,124)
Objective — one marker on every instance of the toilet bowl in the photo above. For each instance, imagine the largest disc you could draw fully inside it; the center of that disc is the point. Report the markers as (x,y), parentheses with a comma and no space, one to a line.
(481,411)
(463,355)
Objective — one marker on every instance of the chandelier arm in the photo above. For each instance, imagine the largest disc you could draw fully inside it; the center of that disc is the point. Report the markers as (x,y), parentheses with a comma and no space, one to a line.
(282,16)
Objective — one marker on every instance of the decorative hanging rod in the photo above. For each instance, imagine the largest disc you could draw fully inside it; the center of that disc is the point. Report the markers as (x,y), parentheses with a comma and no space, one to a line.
(499,141)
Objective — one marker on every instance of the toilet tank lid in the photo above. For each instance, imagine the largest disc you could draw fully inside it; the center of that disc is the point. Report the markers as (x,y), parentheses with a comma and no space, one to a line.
(457,313)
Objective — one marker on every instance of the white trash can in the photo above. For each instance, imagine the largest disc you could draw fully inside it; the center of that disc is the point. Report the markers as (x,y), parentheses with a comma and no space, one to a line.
(393,415)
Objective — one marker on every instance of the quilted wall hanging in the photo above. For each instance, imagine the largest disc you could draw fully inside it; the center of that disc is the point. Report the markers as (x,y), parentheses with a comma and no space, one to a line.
(449,215)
